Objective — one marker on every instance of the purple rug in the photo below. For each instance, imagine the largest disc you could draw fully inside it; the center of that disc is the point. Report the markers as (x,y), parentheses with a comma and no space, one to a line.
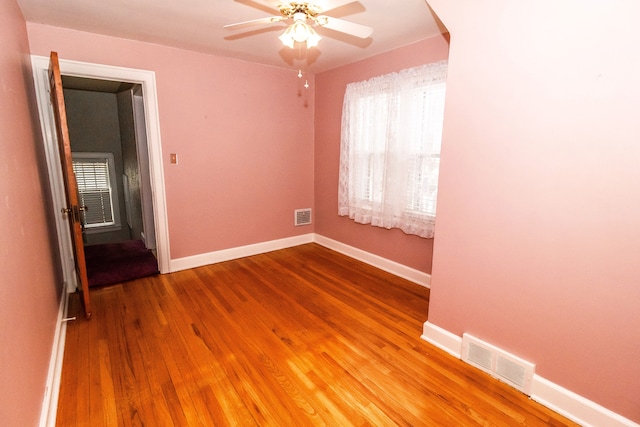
(118,262)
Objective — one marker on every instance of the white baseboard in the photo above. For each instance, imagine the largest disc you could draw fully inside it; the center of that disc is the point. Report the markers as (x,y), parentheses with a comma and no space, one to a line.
(392,267)
(238,252)
(575,407)
(50,401)
(52,387)
(387,265)
(547,393)
(557,398)
(443,339)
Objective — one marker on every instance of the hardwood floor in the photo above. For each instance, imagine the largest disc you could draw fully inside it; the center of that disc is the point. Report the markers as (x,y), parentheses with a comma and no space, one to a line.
(302,336)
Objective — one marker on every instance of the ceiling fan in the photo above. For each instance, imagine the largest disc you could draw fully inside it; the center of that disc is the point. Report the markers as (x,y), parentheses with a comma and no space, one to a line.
(301,17)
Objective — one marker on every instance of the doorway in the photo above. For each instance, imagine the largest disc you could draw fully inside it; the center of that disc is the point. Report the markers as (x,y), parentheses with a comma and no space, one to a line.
(142,88)
(106,127)
(105,120)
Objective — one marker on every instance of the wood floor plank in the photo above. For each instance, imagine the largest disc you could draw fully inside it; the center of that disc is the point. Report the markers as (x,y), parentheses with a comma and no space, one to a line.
(298,337)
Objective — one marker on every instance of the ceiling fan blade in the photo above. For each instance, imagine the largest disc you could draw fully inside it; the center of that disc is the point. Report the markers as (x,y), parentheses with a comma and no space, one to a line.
(341,8)
(253,22)
(265,5)
(343,26)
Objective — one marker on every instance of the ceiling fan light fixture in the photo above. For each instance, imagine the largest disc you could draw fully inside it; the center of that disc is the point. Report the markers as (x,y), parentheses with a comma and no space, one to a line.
(299,28)
(303,16)
(286,38)
(299,32)
(313,38)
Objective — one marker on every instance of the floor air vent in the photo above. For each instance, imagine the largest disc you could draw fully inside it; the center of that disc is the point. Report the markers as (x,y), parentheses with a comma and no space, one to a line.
(499,364)
(302,217)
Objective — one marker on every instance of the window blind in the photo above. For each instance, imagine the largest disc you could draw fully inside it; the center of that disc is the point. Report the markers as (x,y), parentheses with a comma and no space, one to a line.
(94,191)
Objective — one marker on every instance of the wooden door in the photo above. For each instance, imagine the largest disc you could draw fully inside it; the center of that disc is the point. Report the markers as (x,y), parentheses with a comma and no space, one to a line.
(72,211)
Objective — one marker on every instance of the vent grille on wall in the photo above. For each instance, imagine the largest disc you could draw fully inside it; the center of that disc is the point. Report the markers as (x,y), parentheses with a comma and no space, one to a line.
(498,363)
(302,217)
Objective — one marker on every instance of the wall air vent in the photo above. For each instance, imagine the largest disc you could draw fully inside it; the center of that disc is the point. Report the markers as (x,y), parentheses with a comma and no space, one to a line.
(498,363)
(302,216)
(479,356)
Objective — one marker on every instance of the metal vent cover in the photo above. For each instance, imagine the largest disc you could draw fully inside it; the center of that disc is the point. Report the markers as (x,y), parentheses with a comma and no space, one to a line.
(302,216)
(479,356)
(498,363)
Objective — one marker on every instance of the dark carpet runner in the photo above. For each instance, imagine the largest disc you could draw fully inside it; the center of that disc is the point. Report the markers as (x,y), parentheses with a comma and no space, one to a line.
(118,262)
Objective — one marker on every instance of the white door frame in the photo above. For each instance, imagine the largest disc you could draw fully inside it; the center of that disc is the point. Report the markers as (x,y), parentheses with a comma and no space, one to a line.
(147,79)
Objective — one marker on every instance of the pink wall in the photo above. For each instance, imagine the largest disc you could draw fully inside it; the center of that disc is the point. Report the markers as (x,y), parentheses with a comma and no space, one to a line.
(408,250)
(28,292)
(243,134)
(538,245)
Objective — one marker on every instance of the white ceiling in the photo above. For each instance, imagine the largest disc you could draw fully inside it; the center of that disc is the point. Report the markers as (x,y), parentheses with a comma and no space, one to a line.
(198,25)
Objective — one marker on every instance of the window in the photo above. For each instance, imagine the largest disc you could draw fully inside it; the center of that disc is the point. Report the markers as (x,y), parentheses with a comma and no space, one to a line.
(390,149)
(95,175)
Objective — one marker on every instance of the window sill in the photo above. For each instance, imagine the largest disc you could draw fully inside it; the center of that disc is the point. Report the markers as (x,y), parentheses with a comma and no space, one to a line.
(105,229)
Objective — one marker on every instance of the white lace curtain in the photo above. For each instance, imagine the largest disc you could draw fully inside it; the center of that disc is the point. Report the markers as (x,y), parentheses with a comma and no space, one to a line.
(390,149)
